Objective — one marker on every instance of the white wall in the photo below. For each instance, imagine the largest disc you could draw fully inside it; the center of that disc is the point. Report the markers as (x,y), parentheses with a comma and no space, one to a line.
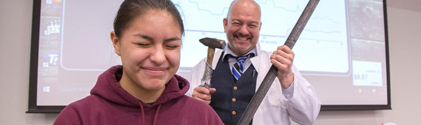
(405,60)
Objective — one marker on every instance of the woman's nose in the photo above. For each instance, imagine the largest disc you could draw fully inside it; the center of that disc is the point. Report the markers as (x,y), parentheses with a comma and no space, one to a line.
(158,55)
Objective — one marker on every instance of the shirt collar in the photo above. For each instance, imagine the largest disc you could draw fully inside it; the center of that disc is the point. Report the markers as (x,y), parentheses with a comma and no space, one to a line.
(228,51)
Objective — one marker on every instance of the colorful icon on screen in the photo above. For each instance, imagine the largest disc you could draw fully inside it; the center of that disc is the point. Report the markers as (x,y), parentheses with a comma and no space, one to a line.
(52,1)
(50,59)
(53,27)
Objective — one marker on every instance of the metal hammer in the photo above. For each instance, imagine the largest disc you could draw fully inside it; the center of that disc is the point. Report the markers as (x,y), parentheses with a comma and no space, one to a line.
(211,43)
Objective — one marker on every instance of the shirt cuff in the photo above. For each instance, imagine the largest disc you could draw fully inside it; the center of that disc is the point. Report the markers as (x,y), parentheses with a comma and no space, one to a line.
(288,92)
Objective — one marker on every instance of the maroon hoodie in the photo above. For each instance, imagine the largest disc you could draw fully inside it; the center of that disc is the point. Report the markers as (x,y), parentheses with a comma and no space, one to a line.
(109,104)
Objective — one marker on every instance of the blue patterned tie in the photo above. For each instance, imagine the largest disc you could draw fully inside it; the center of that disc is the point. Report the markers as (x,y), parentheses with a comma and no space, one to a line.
(238,68)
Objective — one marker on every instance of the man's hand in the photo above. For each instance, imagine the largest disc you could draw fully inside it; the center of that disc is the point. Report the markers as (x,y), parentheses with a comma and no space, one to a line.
(203,94)
(282,59)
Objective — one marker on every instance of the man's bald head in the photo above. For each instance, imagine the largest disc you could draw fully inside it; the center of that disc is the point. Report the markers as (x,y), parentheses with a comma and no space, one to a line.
(250,3)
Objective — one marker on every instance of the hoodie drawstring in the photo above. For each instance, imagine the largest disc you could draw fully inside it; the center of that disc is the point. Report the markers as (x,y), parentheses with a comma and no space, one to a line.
(156,114)
(143,114)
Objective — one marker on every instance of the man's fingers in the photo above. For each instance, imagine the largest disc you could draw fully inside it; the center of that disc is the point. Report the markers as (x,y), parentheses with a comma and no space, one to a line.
(201,90)
(212,90)
(285,49)
(203,94)
(206,97)
(205,90)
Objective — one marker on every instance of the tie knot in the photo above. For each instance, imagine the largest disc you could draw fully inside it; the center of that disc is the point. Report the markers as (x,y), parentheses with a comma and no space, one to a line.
(243,58)
(238,68)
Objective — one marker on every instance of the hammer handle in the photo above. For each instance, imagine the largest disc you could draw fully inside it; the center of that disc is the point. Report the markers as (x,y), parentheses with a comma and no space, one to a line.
(211,52)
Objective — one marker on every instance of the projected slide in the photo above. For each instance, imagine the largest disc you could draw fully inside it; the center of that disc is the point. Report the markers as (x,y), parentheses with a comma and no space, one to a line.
(323,41)
(341,51)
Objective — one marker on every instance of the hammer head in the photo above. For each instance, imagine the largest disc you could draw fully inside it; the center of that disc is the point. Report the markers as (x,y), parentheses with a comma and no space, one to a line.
(213,42)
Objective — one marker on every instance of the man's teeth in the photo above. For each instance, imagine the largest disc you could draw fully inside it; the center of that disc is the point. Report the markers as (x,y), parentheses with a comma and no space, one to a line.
(242,38)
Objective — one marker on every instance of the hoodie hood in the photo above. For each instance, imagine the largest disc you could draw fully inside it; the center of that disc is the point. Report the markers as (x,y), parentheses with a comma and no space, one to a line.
(108,88)
(110,104)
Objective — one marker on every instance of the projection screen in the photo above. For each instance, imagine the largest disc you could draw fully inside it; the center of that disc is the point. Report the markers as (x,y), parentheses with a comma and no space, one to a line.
(342,52)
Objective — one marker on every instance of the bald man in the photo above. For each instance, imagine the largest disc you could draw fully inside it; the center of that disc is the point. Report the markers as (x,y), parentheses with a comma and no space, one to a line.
(239,70)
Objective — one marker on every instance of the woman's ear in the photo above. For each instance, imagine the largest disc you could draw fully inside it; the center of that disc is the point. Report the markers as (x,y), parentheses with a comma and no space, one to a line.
(116,43)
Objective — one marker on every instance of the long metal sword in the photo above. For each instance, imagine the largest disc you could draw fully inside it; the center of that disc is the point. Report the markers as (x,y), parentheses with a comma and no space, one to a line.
(271,75)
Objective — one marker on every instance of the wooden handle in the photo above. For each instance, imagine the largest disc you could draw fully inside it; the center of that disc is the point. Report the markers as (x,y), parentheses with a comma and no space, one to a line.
(211,52)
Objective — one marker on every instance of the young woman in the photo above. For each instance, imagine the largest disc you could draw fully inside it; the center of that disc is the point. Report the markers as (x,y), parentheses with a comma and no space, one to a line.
(145,90)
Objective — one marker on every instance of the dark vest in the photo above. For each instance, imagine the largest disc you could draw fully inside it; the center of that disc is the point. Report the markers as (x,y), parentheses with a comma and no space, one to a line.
(231,97)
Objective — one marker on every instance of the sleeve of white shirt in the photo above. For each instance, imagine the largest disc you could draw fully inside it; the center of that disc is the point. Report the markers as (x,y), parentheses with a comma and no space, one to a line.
(303,106)
(288,92)
(195,77)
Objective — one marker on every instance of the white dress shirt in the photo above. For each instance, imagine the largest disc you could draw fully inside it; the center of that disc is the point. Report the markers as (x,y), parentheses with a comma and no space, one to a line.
(302,104)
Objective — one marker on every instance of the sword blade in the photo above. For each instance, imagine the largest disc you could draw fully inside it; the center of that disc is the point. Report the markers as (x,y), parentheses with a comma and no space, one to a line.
(271,75)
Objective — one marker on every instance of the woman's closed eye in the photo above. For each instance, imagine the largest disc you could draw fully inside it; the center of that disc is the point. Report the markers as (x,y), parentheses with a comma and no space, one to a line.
(144,44)
(172,46)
